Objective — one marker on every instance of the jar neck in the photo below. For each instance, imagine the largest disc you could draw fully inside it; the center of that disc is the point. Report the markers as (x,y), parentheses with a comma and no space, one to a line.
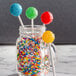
(27,31)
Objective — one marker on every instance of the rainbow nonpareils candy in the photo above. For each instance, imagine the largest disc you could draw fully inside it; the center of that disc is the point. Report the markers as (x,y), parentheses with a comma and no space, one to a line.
(29,56)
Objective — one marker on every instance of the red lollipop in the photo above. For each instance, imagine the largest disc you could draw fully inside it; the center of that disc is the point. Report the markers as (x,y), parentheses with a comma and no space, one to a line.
(47,17)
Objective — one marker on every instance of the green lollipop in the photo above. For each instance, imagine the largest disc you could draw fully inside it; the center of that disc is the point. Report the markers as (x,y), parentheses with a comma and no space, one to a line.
(31,13)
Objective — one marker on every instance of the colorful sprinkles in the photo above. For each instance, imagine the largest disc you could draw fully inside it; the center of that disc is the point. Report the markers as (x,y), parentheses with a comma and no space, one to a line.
(29,56)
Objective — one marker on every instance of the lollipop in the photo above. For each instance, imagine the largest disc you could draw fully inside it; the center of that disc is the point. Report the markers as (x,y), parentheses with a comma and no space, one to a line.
(16,10)
(46,17)
(31,13)
(48,37)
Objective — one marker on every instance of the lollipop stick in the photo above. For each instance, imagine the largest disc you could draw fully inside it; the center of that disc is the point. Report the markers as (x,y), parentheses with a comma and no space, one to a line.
(52,61)
(20,21)
(32,23)
(44,25)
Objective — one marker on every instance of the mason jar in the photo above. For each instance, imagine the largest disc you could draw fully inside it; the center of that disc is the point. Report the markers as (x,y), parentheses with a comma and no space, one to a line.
(33,54)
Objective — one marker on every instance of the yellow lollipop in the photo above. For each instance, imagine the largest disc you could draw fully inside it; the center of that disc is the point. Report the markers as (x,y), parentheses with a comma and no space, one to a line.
(48,37)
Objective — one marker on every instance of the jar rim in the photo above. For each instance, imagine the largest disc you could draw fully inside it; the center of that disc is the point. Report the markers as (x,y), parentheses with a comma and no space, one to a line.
(30,26)
(29,29)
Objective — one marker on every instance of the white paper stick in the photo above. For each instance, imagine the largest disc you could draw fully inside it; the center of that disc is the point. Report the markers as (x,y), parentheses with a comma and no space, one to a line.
(32,23)
(52,61)
(44,25)
(20,21)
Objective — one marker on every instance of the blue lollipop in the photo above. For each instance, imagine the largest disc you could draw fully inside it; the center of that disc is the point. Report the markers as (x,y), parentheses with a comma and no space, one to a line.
(16,10)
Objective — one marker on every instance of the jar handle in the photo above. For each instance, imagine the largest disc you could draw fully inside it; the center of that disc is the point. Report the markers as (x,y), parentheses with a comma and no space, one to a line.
(51,57)
(54,47)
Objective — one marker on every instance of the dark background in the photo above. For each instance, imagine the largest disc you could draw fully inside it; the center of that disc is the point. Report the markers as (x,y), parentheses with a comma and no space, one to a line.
(64,24)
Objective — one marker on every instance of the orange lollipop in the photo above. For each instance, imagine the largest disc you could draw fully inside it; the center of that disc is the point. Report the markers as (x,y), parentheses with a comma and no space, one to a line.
(48,37)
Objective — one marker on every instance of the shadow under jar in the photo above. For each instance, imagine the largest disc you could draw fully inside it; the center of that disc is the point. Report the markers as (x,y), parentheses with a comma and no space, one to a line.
(33,56)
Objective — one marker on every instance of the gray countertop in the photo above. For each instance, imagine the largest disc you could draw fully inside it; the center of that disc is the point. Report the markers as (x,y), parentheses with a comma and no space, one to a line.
(65,66)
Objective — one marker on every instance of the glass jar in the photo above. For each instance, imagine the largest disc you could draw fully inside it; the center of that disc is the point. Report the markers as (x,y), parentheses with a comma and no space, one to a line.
(33,56)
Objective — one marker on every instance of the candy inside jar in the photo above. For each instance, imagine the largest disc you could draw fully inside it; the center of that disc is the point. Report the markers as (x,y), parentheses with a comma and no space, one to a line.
(29,55)
(32,55)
